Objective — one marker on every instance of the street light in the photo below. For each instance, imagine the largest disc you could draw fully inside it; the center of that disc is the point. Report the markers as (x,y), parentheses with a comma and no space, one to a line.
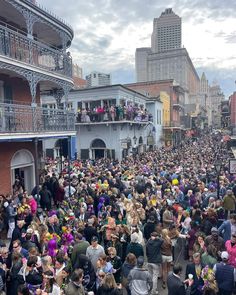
(218,169)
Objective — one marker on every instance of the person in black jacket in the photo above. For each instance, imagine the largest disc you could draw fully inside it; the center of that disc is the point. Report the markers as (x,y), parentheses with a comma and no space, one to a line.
(17,232)
(149,227)
(90,231)
(116,263)
(175,285)
(89,275)
(34,273)
(45,198)
(195,270)
(154,258)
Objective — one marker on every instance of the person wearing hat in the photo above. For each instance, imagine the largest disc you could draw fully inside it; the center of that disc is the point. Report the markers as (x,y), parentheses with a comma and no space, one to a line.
(94,251)
(215,240)
(224,275)
(139,279)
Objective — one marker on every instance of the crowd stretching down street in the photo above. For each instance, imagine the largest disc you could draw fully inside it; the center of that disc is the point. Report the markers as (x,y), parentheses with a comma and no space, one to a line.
(107,227)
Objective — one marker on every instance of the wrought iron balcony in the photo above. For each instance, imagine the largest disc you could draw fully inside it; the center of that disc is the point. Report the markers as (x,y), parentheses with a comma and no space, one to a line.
(36,3)
(16,118)
(177,104)
(172,124)
(18,46)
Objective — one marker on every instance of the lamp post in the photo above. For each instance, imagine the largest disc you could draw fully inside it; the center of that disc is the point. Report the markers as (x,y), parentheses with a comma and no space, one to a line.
(218,168)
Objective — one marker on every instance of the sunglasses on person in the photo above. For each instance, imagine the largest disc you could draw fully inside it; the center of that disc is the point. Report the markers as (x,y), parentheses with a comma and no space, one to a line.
(15,247)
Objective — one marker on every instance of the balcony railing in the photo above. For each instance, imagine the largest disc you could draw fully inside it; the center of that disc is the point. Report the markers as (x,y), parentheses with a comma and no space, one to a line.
(36,3)
(178,104)
(172,124)
(108,117)
(19,47)
(16,118)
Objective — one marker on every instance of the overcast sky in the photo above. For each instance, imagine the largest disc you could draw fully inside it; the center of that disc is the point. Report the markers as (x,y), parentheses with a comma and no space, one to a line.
(107,32)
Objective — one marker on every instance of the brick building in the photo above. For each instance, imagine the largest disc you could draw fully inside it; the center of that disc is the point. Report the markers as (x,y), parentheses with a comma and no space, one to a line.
(33,58)
(172,131)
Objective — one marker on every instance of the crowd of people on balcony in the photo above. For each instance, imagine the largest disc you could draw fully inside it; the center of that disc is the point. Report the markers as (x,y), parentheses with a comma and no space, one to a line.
(120,112)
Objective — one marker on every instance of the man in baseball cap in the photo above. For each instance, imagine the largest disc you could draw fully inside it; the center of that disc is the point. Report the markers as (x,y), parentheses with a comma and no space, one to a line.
(224,275)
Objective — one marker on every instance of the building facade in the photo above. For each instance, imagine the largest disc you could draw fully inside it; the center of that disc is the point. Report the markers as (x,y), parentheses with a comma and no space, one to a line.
(232,111)
(113,121)
(77,71)
(216,97)
(173,129)
(166,59)
(96,79)
(167,32)
(33,58)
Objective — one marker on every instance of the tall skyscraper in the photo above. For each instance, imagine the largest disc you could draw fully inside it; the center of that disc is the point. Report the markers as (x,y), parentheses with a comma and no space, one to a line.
(98,79)
(77,71)
(167,32)
(166,59)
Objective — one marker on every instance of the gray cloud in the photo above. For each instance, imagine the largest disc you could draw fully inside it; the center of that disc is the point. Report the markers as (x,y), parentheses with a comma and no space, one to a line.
(93,51)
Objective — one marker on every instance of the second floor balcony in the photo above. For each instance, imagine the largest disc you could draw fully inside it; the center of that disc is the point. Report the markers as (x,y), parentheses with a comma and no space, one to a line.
(16,45)
(113,114)
(21,119)
(171,125)
(178,105)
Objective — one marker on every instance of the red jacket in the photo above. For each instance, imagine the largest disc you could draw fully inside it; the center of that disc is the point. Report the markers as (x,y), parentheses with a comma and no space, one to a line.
(232,252)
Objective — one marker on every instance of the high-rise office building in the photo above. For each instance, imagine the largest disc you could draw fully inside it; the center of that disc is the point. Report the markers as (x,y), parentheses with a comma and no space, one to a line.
(77,71)
(166,59)
(167,32)
(98,79)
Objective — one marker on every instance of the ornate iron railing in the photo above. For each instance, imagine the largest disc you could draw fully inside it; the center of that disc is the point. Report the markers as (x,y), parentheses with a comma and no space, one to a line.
(19,47)
(16,118)
(171,124)
(36,3)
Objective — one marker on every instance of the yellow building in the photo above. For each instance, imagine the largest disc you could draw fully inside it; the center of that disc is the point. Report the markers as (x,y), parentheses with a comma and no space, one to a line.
(165,99)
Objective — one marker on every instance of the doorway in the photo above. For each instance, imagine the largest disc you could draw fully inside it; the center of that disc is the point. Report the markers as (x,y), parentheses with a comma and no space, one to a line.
(98,148)
(22,167)
(98,154)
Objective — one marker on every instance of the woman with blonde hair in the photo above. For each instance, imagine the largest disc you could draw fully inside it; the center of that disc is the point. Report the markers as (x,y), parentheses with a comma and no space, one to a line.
(166,252)
(108,286)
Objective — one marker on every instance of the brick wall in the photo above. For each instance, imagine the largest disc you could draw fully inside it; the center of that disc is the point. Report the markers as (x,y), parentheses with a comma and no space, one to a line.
(7,150)
(153,89)
(20,89)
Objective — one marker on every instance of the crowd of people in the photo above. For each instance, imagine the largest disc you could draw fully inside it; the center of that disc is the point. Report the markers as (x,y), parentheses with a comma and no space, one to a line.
(113,113)
(107,227)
